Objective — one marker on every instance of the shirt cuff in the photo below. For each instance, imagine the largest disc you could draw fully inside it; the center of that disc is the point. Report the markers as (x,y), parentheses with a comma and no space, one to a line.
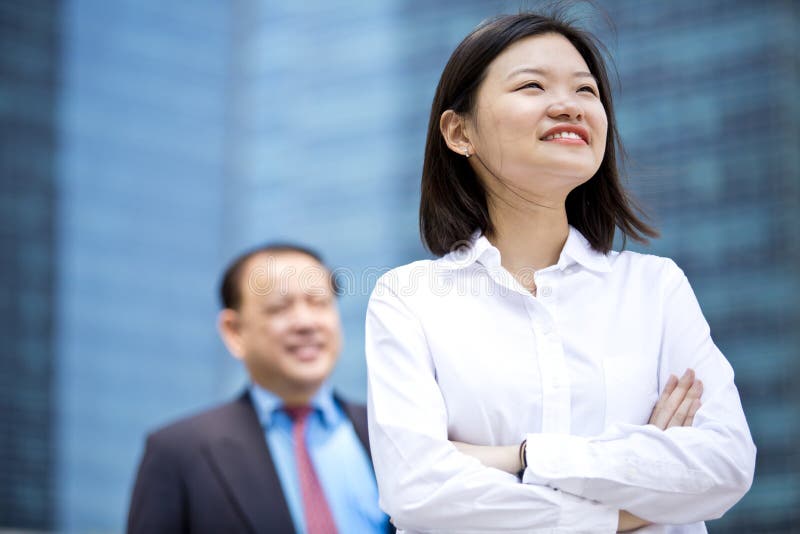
(582,515)
(552,457)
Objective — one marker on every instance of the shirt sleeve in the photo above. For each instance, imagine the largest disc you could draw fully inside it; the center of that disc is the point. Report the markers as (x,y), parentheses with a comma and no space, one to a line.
(681,475)
(425,484)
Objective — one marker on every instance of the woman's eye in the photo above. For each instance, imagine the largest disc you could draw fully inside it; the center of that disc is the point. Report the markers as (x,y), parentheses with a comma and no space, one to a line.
(532,85)
(589,89)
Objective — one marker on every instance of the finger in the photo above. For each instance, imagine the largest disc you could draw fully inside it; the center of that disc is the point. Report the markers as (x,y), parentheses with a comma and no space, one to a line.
(693,398)
(680,391)
(675,399)
(669,387)
(692,411)
(696,391)
(680,414)
(681,399)
(684,410)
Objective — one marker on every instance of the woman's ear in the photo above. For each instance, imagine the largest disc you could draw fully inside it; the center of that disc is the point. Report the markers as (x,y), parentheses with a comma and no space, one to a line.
(454,130)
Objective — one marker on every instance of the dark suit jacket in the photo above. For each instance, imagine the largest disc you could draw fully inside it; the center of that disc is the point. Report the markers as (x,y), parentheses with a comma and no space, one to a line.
(213,473)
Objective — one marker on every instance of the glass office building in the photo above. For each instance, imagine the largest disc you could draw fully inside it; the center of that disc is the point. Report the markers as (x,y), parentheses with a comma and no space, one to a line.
(29,41)
(144,144)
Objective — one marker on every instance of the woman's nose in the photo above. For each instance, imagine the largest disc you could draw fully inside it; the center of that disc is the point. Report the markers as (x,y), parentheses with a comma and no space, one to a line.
(565,107)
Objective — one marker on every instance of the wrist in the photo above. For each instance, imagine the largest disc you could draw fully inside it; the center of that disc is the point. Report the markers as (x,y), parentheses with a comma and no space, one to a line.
(523,460)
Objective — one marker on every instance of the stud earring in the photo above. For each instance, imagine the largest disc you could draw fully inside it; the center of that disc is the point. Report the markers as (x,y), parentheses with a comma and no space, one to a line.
(466,152)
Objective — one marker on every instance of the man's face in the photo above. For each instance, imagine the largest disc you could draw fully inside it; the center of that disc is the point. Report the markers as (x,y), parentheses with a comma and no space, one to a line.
(287,329)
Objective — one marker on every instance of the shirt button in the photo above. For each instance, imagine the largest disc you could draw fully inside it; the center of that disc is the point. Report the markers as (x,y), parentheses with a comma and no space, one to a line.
(547,291)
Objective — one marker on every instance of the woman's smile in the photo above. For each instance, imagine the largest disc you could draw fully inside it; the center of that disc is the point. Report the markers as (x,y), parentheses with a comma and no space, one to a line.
(567,134)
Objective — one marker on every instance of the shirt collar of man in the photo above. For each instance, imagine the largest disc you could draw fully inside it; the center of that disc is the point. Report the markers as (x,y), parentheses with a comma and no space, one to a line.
(267,403)
(478,249)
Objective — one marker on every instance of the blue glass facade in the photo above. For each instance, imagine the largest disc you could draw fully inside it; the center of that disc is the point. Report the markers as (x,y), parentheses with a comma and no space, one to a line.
(29,39)
(708,117)
(181,133)
(141,175)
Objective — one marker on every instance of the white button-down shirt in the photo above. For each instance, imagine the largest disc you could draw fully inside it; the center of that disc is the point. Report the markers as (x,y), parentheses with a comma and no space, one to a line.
(458,350)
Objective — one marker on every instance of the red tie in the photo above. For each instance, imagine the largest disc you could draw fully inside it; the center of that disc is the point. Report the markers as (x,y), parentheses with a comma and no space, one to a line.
(319,519)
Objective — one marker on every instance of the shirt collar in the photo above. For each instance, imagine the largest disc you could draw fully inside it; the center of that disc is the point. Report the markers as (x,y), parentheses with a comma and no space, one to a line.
(478,249)
(578,250)
(267,403)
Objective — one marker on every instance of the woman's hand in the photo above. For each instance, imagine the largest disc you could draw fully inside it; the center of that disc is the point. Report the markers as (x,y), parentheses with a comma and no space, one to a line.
(678,403)
(676,406)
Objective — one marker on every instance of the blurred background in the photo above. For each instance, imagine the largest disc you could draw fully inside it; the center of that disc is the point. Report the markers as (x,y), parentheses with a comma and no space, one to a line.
(145,143)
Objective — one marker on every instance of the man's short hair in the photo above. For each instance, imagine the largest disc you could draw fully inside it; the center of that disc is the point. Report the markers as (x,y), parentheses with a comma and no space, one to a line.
(230,290)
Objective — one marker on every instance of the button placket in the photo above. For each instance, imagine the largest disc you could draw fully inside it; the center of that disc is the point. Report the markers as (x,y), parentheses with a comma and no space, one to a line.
(546,288)
(556,409)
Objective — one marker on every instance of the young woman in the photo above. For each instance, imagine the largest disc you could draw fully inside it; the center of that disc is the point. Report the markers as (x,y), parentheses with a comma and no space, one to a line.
(529,345)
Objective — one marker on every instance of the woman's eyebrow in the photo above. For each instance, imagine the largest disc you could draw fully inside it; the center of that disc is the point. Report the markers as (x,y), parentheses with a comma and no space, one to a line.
(545,72)
(527,70)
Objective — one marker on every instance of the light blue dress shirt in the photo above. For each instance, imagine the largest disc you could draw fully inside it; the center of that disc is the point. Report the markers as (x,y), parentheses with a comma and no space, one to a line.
(341,462)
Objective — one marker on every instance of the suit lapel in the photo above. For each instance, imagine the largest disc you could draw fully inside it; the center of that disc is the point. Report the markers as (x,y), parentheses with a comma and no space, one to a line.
(242,461)
(358,416)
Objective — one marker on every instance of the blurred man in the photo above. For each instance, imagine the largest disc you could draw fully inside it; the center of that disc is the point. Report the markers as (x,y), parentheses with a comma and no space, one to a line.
(288,455)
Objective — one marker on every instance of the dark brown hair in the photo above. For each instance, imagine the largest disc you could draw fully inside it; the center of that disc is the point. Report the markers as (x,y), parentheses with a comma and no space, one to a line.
(230,294)
(453,202)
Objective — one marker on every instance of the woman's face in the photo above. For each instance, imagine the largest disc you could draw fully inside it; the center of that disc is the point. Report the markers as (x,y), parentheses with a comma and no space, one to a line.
(539,124)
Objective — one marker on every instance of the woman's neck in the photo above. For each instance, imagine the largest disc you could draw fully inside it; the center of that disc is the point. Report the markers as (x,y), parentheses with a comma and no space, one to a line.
(528,237)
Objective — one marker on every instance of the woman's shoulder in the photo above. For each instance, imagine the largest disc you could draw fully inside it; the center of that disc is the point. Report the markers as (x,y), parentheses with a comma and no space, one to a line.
(420,280)
(628,262)
(399,278)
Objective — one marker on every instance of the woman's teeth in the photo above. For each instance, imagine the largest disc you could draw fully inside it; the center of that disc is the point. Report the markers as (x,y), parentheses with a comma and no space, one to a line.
(563,135)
